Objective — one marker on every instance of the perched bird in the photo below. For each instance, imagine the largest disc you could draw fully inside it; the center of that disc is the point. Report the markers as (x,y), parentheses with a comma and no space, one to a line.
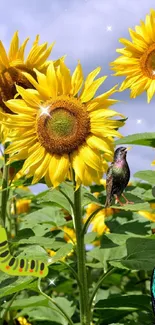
(118,176)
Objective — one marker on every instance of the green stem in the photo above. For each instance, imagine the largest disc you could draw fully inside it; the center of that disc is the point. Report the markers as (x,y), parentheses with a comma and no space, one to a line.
(73,272)
(54,303)
(99,284)
(93,214)
(4,190)
(81,259)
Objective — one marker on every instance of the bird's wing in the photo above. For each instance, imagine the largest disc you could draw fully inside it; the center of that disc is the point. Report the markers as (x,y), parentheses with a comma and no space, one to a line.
(109,185)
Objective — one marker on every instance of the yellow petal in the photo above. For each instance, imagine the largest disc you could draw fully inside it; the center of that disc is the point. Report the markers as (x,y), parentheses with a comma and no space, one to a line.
(18,145)
(42,58)
(77,163)
(58,169)
(3,56)
(35,51)
(41,90)
(132,47)
(91,157)
(19,106)
(42,169)
(89,93)
(153,163)
(104,113)
(35,157)
(96,142)
(65,78)
(14,47)
(151,91)
(42,80)
(21,50)
(52,80)
(91,76)
(77,80)
(19,156)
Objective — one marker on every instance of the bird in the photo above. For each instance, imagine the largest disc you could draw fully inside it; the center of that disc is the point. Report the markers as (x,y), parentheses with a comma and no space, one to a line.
(117,178)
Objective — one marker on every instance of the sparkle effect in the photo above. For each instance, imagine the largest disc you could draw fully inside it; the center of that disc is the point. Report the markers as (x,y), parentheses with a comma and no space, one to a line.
(139,121)
(109,28)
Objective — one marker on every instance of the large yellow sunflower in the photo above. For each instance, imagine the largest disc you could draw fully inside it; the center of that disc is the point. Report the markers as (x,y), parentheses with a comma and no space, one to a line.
(13,64)
(137,61)
(58,129)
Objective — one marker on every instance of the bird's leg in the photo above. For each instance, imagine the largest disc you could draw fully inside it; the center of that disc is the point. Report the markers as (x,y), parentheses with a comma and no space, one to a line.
(118,200)
(126,200)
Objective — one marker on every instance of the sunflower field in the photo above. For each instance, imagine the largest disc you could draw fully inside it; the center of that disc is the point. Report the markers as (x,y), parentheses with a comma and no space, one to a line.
(82,251)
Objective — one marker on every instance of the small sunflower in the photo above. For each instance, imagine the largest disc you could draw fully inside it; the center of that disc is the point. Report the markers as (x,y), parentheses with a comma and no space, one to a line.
(98,222)
(137,61)
(13,64)
(58,129)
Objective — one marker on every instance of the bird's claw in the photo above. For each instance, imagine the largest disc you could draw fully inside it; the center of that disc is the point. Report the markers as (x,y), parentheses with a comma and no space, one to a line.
(130,202)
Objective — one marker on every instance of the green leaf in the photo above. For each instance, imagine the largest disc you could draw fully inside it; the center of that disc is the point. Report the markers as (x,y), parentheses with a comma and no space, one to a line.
(143,139)
(36,250)
(41,313)
(108,254)
(54,197)
(146,175)
(140,254)
(42,241)
(138,204)
(29,302)
(50,313)
(50,215)
(9,285)
(114,309)
(124,301)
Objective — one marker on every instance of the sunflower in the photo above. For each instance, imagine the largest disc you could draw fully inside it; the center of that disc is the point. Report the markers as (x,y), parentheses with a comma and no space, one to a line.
(137,61)
(58,129)
(13,64)
(98,222)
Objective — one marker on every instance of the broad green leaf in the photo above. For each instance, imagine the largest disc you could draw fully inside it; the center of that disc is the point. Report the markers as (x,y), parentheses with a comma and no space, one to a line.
(50,215)
(29,302)
(50,313)
(143,139)
(41,313)
(139,204)
(34,251)
(146,175)
(107,254)
(42,241)
(11,284)
(113,315)
(124,301)
(140,254)
(54,197)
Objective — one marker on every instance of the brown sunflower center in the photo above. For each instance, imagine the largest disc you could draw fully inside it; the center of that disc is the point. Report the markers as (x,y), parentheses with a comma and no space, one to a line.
(147,62)
(8,79)
(63,125)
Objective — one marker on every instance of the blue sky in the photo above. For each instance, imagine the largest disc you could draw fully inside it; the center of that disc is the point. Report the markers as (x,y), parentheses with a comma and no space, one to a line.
(87,30)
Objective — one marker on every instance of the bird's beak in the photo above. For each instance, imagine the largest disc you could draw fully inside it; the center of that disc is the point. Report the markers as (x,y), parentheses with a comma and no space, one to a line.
(127,149)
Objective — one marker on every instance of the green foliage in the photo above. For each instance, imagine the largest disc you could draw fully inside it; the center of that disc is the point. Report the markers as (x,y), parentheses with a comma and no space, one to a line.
(128,251)
(143,139)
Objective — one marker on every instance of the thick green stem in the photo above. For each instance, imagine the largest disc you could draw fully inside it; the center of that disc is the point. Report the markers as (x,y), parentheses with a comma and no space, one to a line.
(81,260)
(4,194)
